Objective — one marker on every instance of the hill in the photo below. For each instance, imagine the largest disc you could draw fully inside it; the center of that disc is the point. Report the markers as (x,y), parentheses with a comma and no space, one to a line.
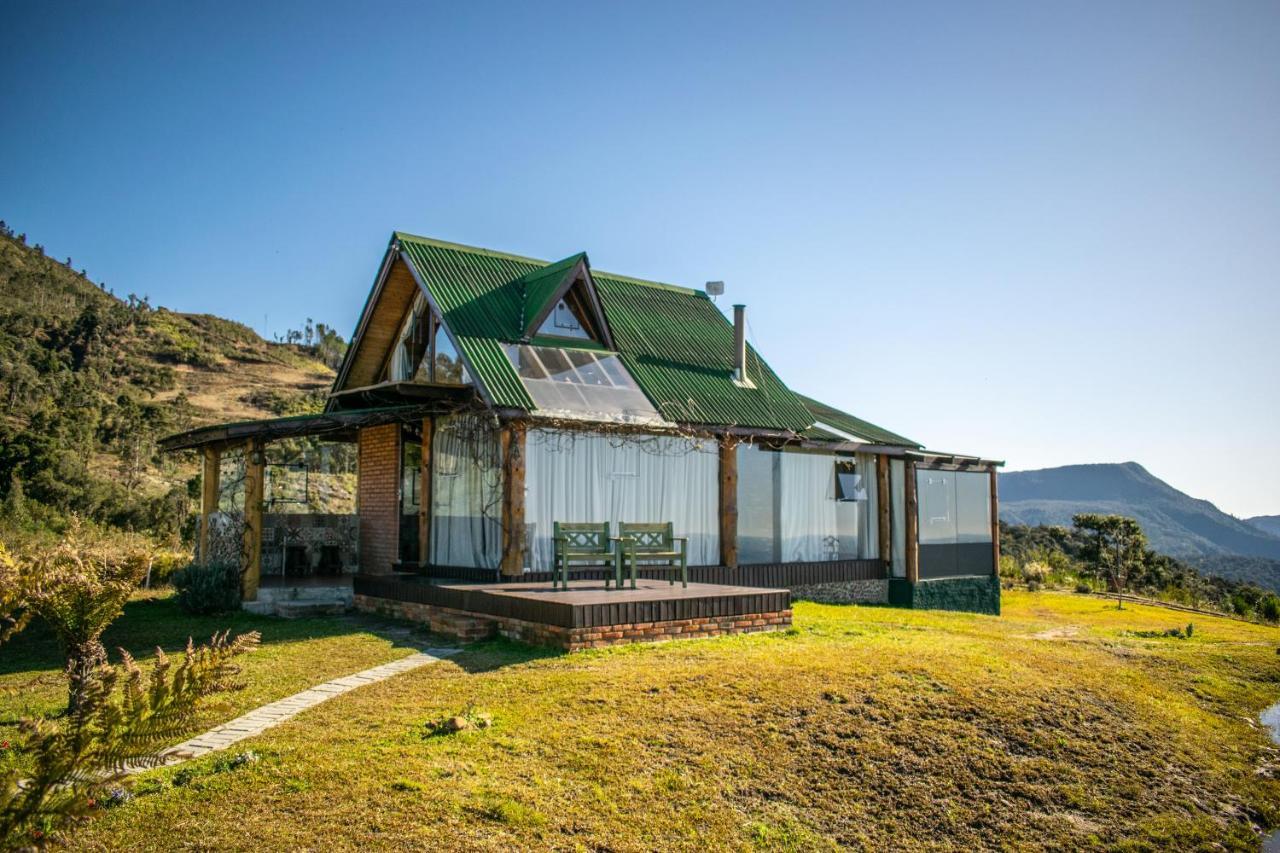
(90,381)
(1175,523)
(1269,524)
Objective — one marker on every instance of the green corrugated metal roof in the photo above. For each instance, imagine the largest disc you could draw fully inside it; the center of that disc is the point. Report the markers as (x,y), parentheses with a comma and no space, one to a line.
(845,422)
(674,341)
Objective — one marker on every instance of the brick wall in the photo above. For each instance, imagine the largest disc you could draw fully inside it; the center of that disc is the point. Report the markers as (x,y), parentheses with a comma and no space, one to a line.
(378,497)
(469,627)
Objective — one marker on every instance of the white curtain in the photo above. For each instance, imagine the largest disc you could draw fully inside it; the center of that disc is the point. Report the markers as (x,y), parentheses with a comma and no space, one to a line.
(466,494)
(897,516)
(590,477)
(868,510)
(810,526)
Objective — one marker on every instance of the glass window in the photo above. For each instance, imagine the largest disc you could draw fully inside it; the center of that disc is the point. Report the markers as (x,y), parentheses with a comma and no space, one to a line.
(564,321)
(448,364)
(849,485)
(581,383)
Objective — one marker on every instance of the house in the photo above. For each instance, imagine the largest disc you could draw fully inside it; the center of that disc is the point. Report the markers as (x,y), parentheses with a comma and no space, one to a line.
(492,395)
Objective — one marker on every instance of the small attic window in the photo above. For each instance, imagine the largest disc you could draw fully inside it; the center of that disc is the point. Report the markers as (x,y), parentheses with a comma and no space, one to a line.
(565,319)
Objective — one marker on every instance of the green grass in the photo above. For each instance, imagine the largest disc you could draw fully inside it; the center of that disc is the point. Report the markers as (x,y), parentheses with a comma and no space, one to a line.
(293,655)
(1050,726)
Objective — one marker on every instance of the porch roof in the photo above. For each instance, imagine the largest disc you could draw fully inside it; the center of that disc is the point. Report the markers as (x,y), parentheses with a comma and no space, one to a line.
(339,426)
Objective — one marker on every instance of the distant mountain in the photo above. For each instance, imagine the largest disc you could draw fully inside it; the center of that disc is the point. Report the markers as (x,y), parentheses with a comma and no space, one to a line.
(1269,524)
(1176,524)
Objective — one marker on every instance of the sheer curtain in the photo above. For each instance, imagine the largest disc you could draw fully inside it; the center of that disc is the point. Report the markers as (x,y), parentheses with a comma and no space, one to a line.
(581,476)
(868,510)
(466,494)
(897,516)
(810,529)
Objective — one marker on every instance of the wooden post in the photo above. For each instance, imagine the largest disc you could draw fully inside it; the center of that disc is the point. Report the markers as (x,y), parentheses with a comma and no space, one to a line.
(884,498)
(995,521)
(728,505)
(210,486)
(512,442)
(913,522)
(424,496)
(254,475)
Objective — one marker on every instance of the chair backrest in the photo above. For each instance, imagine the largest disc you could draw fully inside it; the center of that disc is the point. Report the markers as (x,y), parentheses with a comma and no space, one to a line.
(648,537)
(576,537)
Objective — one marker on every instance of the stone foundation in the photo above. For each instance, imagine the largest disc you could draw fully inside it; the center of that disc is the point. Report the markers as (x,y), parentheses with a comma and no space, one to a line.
(979,594)
(844,592)
(470,627)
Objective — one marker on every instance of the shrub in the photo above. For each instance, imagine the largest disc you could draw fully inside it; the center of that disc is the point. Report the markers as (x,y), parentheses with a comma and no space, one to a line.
(1033,586)
(208,587)
(1083,588)
(1035,572)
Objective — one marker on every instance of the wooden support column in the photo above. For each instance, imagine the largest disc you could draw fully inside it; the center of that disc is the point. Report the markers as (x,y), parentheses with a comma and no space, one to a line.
(210,486)
(512,442)
(913,523)
(254,477)
(995,521)
(424,496)
(728,504)
(884,498)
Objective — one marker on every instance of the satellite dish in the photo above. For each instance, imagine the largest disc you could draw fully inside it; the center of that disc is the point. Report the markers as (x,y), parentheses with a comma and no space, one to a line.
(715,288)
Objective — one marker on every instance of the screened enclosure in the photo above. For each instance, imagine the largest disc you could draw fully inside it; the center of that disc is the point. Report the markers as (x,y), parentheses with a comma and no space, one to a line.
(805,506)
(954,523)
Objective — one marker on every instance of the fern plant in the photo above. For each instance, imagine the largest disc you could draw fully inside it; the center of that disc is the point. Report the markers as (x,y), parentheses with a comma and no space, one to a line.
(123,718)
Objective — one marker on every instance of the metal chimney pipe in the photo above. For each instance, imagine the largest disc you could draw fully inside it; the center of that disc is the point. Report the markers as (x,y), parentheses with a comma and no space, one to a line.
(740,343)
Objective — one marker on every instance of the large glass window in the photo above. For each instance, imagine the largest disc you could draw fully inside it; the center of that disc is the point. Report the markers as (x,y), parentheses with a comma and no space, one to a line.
(577,383)
(424,352)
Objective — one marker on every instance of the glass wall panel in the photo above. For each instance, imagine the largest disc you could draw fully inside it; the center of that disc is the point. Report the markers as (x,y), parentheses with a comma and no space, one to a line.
(466,485)
(410,499)
(448,364)
(589,477)
(585,384)
(897,516)
(936,492)
(758,505)
(973,506)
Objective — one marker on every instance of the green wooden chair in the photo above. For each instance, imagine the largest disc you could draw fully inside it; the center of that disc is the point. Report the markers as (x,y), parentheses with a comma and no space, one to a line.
(657,545)
(581,542)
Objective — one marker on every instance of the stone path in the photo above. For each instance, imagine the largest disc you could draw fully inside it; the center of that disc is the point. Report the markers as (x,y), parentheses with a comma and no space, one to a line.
(260,719)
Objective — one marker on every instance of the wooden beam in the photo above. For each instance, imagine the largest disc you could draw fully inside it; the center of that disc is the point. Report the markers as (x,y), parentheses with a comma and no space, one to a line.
(884,499)
(728,504)
(512,442)
(995,522)
(254,481)
(913,523)
(210,486)
(424,496)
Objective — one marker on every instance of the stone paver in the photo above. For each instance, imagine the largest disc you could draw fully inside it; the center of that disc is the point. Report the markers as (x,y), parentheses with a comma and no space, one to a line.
(272,714)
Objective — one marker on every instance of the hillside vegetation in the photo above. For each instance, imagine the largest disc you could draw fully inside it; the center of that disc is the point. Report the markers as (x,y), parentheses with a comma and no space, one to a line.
(1062,724)
(1175,523)
(90,382)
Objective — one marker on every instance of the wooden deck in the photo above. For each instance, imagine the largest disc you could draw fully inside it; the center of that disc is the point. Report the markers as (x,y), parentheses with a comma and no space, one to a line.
(586,605)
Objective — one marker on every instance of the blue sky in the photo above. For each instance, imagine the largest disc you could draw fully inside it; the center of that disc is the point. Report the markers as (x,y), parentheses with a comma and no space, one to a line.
(1041,232)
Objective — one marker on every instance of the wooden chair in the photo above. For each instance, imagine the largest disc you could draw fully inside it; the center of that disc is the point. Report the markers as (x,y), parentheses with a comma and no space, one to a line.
(581,542)
(657,545)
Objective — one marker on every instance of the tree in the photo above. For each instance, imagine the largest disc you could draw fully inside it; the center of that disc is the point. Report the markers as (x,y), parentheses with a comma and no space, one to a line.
(1116,547)
(79,587)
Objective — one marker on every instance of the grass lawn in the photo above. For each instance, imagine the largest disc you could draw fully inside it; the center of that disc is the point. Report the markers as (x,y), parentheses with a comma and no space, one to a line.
(293,655)
(1054,725)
